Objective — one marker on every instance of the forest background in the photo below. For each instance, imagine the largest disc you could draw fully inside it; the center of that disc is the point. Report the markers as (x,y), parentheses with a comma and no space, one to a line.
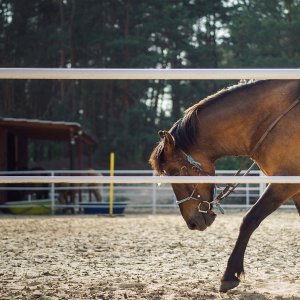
(125,116)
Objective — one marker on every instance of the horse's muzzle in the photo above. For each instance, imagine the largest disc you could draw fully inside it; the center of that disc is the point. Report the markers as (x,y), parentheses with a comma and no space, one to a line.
(201,221)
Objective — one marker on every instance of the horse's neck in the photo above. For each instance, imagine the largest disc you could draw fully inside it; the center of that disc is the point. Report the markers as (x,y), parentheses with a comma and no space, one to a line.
(234,125)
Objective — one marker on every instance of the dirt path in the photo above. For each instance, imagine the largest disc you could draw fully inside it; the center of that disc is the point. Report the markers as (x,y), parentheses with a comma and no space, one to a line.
(144,257)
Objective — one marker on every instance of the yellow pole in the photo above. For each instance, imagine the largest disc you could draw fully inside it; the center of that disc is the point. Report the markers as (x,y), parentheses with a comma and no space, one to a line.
(111,189)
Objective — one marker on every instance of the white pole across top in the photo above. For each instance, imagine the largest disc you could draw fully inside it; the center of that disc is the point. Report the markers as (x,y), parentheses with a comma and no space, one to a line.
(147,74)
(148,179)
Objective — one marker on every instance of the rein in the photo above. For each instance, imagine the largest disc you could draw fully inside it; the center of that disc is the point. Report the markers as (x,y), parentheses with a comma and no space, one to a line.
(230,187)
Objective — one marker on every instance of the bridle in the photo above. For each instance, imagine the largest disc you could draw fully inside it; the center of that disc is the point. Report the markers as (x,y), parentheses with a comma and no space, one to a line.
(200,170)
(207,205)
(229,187)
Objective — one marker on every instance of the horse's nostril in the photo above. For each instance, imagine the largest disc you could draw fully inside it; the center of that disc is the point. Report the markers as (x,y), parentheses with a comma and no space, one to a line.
(192,226)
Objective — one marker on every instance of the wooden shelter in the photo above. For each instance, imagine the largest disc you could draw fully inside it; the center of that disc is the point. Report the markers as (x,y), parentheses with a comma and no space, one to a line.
(15,134)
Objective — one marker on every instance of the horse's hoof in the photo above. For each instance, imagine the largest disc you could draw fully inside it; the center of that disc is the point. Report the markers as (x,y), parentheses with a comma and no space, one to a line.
(228,285)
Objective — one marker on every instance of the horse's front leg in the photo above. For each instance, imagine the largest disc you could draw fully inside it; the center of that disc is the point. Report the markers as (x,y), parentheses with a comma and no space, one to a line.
(272,198)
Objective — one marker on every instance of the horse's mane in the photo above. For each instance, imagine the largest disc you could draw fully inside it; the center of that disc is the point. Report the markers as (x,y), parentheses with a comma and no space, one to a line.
(184,131)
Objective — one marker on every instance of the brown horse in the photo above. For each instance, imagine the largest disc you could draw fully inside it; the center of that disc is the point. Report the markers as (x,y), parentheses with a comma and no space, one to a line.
(231,123)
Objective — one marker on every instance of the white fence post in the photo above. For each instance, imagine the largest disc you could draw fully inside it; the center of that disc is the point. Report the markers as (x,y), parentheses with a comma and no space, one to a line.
(52,195)
(247,196)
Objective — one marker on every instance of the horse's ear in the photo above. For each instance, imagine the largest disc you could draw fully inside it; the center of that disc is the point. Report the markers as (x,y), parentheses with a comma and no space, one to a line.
(161,133)
(169,143)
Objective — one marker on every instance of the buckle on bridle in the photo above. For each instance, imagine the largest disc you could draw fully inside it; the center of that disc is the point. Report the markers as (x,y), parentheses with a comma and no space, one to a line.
(206,208)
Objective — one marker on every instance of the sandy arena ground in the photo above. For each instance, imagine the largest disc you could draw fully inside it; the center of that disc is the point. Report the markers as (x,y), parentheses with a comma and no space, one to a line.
(144,257)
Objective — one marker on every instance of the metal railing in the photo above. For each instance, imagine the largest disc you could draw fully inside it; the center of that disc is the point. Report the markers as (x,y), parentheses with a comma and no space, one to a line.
(135,197)
(149,195)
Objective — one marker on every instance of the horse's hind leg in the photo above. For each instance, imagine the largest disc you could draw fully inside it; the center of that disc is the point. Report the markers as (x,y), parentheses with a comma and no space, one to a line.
(272,198)
(296,199)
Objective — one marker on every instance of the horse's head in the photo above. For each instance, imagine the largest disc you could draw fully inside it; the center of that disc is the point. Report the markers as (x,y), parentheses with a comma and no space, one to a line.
(193,199)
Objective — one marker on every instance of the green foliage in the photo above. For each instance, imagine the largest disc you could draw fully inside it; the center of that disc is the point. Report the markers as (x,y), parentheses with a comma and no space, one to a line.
(264,34)
(125,115)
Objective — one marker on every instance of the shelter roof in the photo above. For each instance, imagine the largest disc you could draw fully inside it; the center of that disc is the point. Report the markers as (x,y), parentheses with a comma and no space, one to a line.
(46,130)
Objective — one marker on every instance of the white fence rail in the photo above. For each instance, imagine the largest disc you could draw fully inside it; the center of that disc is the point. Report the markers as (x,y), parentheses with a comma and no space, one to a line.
(138,195)
(148,74)
(147,179)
